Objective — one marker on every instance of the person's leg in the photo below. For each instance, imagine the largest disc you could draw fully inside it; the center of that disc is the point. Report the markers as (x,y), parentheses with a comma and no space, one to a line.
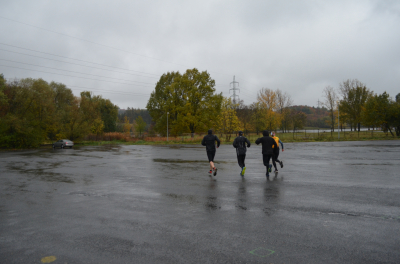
(280,162)
(277,155)
(239,160)
(211,165)
(241,163)
(210,155)
(266,159)
(273,161)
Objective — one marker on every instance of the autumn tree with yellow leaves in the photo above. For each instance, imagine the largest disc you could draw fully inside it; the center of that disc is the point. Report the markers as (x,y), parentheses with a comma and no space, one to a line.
(228,122)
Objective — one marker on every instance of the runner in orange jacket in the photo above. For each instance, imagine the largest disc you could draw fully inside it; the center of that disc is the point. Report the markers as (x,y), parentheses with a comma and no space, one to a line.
(276,151)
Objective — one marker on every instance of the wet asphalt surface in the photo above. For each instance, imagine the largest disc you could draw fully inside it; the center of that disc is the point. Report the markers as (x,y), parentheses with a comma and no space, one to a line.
(331,203)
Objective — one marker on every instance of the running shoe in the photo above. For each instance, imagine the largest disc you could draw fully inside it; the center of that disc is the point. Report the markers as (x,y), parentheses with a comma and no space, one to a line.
(270,168)
(215,171)
(276,171)
(281,164)
(210,172)
(267,175)
(243,171)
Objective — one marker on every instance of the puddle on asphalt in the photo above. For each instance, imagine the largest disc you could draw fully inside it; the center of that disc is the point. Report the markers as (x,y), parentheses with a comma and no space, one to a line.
(110,147)
(42,174)
(211,203)
(89,194)
(178,161)
(179,146)
(185,198)
(185,161)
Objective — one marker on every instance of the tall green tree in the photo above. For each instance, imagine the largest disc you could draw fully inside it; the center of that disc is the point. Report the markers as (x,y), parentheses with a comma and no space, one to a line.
(166,96)
(109,114)
(355,94)
(257,118)
(3,97)
(396,115)
(228,122)
(269,103)
(81,116)
(63,101)
(298,120)
(140,125)
(244,113)
(27,114)
(190,100)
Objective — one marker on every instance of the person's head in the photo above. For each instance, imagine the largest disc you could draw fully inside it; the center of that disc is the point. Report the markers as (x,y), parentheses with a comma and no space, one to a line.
(209,131)
(265,133)
(272,134)
(240,133)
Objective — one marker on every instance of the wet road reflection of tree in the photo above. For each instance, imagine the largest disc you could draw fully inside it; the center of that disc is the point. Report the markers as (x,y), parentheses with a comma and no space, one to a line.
(211,198)
(271,195)
(241,203)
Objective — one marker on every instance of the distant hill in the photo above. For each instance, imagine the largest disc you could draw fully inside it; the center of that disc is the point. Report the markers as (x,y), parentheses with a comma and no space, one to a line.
(316,116)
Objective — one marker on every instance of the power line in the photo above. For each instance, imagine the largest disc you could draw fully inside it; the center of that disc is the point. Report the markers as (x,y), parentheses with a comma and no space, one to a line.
(76,59)
(69,75)
(89,41)
(102,90)
(107,91)
(72,71)
(78,64)
(137,54)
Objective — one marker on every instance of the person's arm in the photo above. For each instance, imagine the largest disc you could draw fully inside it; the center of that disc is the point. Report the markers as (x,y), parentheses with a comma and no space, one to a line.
(281,144)
(235,143)
(258,141)
(218,142)
(248,143)
(203,141)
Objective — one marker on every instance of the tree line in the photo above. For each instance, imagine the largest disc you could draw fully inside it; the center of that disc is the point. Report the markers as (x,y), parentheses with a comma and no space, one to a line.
(33,111)
(355,105)
(188,103)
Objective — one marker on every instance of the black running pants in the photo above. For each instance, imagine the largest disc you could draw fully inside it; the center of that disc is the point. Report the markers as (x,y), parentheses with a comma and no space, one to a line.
(210,155)
(275,158)
(241,159)
(266,159)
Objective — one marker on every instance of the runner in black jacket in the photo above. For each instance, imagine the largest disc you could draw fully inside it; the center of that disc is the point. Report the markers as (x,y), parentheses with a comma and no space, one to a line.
(267,143)
(240,144)
(209,142)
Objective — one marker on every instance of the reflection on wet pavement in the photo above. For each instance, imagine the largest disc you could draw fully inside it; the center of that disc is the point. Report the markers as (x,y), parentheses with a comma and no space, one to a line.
(158,204)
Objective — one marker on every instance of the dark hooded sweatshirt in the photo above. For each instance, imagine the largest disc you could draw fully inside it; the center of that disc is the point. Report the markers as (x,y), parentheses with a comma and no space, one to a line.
(267,143)
(209,141)
(240,144)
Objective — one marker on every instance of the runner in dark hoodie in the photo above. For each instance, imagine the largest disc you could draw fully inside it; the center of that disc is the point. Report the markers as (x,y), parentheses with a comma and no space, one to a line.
(267,143)
(240,144)
(209,142)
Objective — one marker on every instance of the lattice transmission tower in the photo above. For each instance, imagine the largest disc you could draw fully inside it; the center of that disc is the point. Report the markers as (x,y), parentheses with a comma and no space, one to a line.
(234,89)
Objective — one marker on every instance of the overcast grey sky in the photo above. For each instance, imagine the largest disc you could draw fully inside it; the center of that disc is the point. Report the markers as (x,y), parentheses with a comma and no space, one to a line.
(119,49)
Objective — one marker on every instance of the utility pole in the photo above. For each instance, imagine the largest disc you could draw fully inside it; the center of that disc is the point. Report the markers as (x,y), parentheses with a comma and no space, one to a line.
(234,89)
(338,121)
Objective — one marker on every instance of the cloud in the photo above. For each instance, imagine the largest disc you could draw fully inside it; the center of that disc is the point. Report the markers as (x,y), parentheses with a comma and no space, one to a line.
(299,47)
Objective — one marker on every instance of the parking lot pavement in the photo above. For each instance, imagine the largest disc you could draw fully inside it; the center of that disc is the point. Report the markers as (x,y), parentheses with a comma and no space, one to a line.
(330,203)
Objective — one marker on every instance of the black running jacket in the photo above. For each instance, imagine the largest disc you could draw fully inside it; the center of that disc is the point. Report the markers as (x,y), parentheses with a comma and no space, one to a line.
(209,142)
(240,144)
(267,143)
